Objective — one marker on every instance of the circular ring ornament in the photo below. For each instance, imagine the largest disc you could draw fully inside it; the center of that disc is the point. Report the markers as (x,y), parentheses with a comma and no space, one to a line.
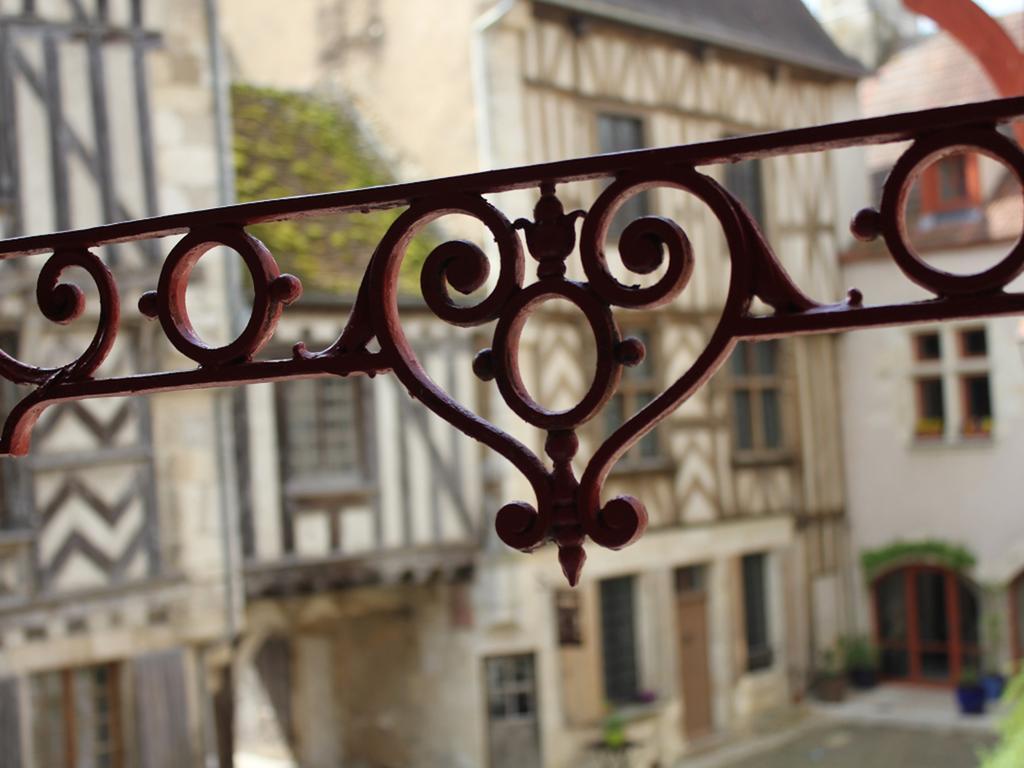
(896,192)
(271,291)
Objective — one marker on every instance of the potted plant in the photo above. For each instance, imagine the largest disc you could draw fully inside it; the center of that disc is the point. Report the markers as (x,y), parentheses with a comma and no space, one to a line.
(831,683)
(861,662)
(970,694)
(993,681)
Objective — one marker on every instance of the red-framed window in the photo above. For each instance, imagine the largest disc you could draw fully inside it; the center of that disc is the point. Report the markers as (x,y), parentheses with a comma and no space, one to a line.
(951,184)
(926,624)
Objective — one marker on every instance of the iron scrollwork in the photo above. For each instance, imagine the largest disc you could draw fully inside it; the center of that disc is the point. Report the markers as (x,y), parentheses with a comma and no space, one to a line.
(566,510)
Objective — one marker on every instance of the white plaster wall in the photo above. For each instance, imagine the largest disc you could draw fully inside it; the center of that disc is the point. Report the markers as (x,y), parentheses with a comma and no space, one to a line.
(961,490)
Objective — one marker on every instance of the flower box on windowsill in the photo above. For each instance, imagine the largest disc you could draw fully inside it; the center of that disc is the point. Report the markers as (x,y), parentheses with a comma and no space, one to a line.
(977,428)
(929,429)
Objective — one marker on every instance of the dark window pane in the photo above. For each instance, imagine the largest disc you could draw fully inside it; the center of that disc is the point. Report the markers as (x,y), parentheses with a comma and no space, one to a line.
(739,361)
(743,179)
(766,357)
(320,426)
(621,133)
(931,417)
(973,343)
(690,578)
(895,663)
(742,420)
(931,607)
(979,406)
(935,665)
(618,639)
(928,346)
(968,614)
(771,421)
(567,617)
(891,595)
(614,413)
(952,178)
(755,597)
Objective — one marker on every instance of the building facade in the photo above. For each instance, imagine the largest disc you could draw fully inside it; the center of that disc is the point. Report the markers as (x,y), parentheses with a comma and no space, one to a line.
(718,615)
(118,595)
(931,414)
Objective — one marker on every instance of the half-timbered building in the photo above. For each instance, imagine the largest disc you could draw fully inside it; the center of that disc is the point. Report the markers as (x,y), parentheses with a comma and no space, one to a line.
(118,595)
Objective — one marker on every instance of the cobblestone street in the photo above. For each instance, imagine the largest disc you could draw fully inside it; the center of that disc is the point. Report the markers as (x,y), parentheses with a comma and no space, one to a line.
(840,745)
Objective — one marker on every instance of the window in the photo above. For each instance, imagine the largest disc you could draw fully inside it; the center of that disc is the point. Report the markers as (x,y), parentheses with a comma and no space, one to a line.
(567,617)
(959,367)
(755,611)
(743,180)
(618,639)
(950,184)
(320,429)
(638,387)
(621,133)
(77,717)
(756,397)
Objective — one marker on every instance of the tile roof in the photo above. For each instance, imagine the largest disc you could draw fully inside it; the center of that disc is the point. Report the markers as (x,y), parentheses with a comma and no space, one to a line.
(780,30)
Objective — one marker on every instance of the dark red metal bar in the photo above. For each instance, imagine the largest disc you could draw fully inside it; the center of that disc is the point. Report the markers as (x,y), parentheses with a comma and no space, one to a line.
(566,510)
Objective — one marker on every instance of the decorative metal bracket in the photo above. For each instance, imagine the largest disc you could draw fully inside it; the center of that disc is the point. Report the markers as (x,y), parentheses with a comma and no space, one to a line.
(566,510)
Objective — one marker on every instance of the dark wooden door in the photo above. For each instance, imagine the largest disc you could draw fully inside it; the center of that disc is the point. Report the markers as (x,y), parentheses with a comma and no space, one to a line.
(513,732)
(694,670)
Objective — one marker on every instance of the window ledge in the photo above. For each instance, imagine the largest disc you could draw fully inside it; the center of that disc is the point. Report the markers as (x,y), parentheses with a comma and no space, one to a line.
(635,711)
(763,459)
(953,443)
(328,488)
(647,465)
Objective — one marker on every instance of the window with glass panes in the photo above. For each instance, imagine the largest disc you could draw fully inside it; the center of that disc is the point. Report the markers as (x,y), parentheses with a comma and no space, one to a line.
(755,611)
(76,718)
(951,379)
(638,387)
(756,384)
(618,639)
(743,180)
(320,426)
(621,133)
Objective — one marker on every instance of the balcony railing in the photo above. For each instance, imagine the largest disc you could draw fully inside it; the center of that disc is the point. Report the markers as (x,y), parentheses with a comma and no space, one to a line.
(565,510)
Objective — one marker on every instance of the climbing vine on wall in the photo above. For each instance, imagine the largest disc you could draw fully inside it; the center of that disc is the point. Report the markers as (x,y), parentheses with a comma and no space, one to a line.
(296,144)
(931,551)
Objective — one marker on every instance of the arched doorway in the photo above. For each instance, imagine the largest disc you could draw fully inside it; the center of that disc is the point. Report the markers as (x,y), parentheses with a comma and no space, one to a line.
(926,624)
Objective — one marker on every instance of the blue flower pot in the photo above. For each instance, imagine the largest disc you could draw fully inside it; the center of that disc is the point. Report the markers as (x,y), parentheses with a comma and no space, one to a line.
(993,685)
(971,699)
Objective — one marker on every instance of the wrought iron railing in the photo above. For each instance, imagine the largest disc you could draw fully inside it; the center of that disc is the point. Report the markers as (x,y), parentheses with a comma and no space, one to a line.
(566,510)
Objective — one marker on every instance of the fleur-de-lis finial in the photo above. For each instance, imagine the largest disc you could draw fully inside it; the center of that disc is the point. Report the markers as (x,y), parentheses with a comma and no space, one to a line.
(551,235)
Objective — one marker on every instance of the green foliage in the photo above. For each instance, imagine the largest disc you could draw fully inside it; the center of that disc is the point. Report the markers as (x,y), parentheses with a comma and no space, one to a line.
(953,556)
(858,652)
(969,678)
(614,731)
(295,144)
(1009,752)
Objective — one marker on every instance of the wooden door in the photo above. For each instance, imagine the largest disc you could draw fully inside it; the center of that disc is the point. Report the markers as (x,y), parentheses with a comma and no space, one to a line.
(692,633)
(513,727)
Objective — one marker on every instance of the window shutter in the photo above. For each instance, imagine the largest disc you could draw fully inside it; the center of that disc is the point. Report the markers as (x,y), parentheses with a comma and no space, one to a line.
(10,724)
(161,710)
